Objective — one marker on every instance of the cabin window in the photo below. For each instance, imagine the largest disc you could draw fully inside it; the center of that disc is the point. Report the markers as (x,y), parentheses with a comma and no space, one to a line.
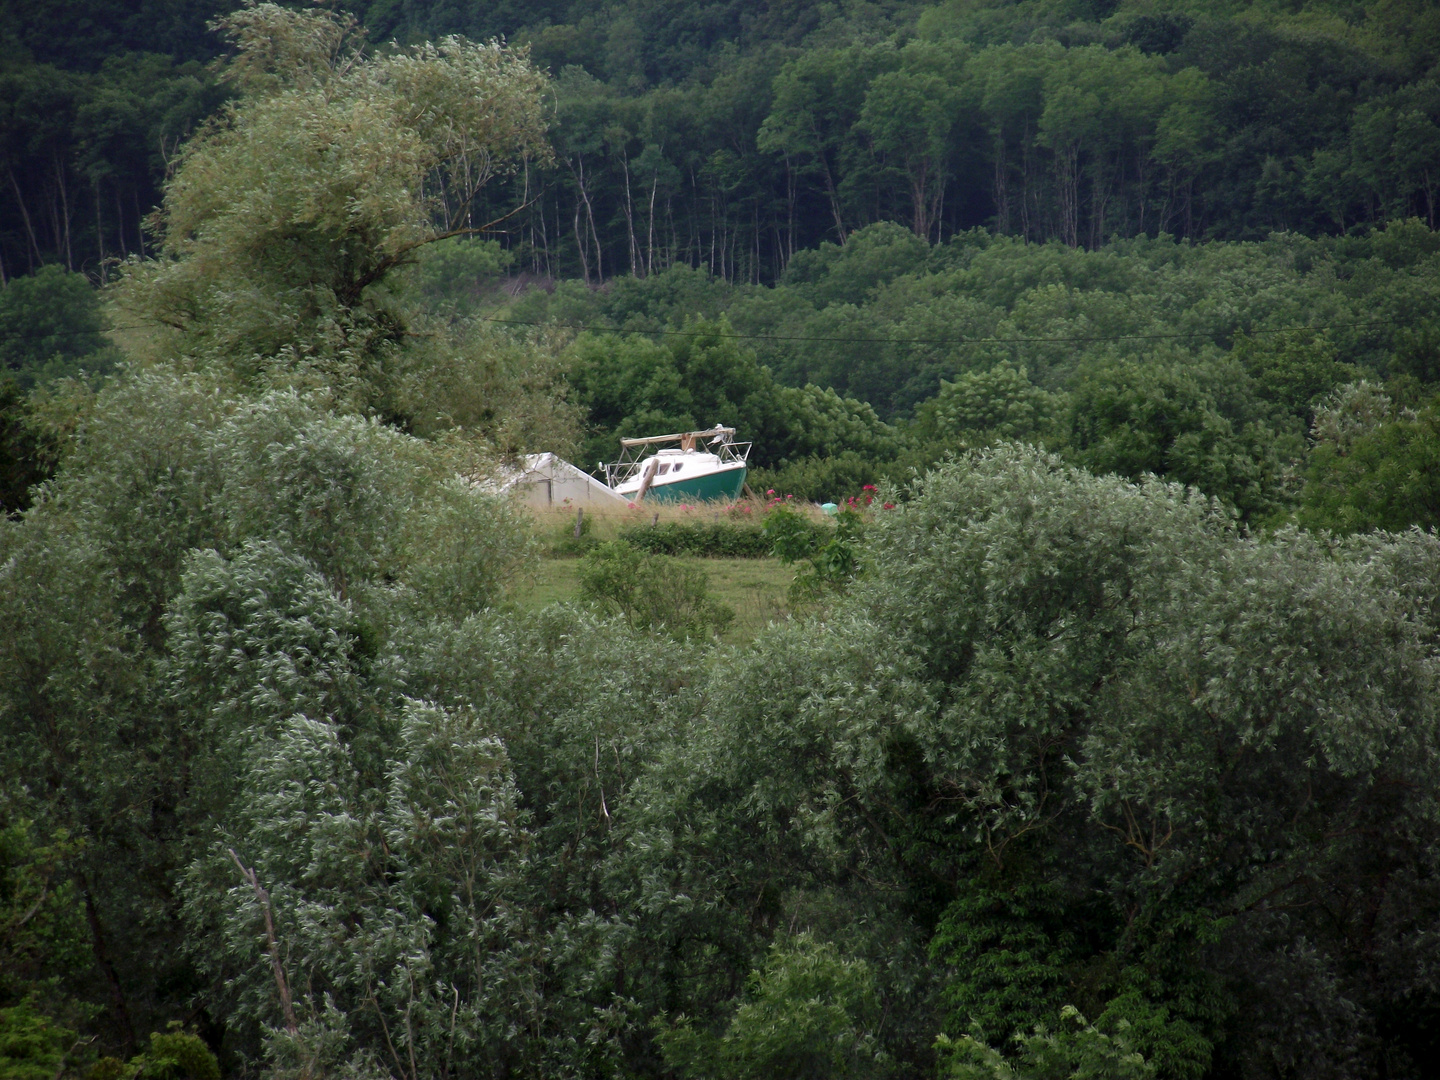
(662,470)
(678,465)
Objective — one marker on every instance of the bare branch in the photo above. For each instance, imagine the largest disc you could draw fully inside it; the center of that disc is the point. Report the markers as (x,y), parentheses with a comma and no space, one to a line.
(280,984)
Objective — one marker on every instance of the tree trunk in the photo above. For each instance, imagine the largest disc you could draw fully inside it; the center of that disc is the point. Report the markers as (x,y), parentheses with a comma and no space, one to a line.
(630,216)
(102,960)
(1001,188)
(580,245)
(120,224)
(99,232)
(1026,194)
(650,229)
(1101,187)
(578,171)
(65,211)
(1067,193)
(789,248)
(834,197)
(755,250)
(919,221)
(25,217)
(139,221)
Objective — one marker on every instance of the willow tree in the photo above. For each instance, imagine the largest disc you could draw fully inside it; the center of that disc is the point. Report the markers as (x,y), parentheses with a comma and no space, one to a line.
(287,218)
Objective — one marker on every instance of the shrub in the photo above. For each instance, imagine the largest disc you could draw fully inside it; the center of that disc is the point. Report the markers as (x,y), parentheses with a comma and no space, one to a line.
(564,543)
(652,591)
(716,540)
(829,556)
(819,479)
(176,1055)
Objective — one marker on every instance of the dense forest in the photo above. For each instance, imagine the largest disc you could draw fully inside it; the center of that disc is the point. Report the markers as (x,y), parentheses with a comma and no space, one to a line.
(731,135)
(1102,735)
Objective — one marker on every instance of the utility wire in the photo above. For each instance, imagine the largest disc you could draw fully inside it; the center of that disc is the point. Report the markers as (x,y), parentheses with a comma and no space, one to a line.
(826,340)
(931,341)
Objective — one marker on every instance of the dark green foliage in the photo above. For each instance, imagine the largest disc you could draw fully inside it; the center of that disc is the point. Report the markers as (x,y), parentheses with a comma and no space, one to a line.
(738,136)
(1008,951)
(869,260)
(1050,745)
(92,120)
(50,326)
(1224,406)
(453,275)
(1188,423)
(1071,1048)
(791,535)
(1293,374)
(43,947)
(631,386)
(573,538)
(712,539)
(820,479)
(1081,642)
(51,33)
(980,407)
(27,453)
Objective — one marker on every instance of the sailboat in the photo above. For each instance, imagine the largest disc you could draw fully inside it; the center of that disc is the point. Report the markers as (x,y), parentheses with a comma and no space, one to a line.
(689,466)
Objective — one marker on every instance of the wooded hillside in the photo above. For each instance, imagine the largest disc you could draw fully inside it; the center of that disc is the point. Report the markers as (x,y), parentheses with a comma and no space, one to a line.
(1097,732)
(732,135)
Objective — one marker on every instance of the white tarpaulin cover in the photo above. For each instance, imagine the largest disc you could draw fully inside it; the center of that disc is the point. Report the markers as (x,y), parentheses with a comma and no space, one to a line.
(546,481)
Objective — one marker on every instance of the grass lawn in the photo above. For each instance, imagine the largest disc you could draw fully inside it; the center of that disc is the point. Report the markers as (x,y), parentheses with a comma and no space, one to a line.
(755,588)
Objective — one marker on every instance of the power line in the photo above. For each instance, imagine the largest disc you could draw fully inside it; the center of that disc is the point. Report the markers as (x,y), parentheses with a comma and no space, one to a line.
(824,340)
(932,341)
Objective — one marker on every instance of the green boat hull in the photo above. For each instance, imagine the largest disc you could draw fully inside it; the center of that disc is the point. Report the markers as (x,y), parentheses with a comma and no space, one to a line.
(711,487)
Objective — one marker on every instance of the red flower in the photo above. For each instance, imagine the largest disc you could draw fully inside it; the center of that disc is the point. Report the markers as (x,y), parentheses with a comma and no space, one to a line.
(889,506)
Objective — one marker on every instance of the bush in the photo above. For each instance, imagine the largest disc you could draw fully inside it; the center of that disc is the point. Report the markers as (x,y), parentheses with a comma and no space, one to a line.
(811,1012)
(32,1046)
(653,592)
(829,555)
(716,540)
(176,1055)
(564,543)
(819,479)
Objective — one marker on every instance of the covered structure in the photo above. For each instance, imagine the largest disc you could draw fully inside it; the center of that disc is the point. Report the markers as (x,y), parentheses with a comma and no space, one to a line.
(546,481)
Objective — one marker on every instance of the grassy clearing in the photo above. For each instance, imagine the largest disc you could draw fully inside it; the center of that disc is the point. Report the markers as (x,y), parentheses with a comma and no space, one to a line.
(755,588)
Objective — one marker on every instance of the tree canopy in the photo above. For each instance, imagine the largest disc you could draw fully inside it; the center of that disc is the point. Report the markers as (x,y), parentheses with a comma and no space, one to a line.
(1104,743)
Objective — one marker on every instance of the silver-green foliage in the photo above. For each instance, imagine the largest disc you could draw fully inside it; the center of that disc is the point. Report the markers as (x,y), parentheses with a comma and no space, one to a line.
(1124,684)
(392,903)
(1208,753)
(202,570)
